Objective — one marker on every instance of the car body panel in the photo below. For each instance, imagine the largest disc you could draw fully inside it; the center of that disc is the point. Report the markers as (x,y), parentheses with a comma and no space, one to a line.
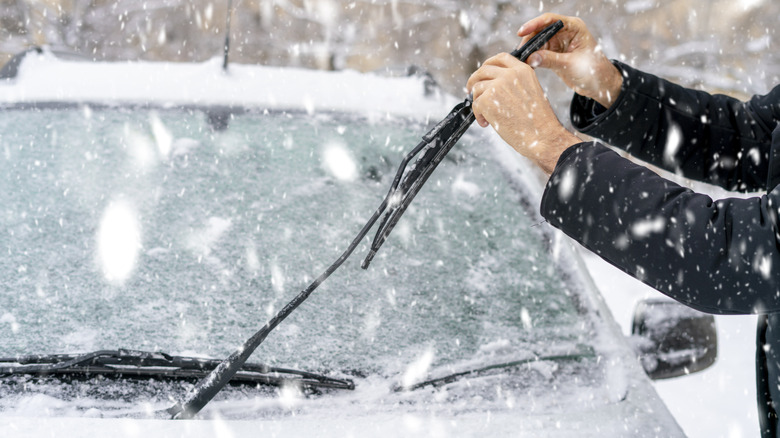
(621,402)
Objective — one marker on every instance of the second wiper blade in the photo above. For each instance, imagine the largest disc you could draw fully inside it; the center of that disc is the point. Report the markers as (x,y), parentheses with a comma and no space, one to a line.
(144,364)
(483,370)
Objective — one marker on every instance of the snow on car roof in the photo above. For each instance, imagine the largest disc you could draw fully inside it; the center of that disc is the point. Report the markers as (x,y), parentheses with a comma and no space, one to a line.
(43,77)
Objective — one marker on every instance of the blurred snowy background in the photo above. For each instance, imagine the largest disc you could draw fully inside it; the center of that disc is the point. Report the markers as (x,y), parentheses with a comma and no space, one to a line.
(726,46)
(722,44)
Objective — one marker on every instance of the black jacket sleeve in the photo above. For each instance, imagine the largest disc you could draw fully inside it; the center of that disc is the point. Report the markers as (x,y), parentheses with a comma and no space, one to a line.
(711,138)
(716,256)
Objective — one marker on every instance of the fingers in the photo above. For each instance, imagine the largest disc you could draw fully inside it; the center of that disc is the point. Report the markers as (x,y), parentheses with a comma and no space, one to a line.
(480,82)
(536,24)
(504,60)
(533,26)
(484,73)
(574,29)
(481,121)
(547,59)
(499,72)
(479,106)
(492,68)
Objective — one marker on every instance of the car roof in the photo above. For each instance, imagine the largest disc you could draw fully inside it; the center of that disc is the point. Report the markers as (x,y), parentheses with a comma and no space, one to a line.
(43,76)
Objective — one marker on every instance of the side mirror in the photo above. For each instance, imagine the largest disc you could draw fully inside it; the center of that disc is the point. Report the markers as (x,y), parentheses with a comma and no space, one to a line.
(672,339)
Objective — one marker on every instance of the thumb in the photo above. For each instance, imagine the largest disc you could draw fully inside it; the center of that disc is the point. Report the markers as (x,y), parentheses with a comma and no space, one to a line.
(546,59)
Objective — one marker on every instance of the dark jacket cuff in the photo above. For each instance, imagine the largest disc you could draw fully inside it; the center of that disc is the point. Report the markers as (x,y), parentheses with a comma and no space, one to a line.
(592,118)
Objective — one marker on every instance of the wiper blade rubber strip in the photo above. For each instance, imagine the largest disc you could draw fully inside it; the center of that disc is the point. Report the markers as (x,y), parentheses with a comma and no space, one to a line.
(146,364)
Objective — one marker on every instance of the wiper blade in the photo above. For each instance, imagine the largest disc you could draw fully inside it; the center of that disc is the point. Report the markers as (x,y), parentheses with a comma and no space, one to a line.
(438,142)
(474,372)
(144,364)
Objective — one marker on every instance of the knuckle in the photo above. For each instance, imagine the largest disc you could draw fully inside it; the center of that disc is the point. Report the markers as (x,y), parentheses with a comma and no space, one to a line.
(522,71)
(475,79)
(490,61)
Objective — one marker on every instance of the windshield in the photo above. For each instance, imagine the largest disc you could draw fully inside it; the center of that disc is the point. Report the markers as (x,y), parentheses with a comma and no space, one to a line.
(149,229)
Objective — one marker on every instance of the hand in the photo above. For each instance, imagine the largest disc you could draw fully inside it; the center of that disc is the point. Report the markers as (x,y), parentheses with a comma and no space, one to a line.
(574,55)
(508,96)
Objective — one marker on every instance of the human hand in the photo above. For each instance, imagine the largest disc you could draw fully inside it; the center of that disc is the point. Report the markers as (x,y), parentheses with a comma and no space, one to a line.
(508,96)
(575,56)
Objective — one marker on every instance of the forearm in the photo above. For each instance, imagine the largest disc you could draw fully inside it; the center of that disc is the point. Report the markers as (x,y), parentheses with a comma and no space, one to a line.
(714,256)
(712,138)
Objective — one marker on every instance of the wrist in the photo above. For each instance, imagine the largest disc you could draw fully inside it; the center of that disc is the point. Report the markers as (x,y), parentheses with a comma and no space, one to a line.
(610,86)
(557,144)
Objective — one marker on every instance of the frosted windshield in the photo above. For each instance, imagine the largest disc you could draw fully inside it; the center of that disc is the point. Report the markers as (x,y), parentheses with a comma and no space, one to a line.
(150,230)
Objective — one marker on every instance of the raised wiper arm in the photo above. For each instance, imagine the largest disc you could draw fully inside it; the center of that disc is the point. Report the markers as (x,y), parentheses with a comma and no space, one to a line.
(405,186)
(438,142)
(133,363)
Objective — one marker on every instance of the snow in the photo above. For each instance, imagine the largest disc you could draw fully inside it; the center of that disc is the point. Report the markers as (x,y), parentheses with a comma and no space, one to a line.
(339,162)
(717,402)
(468,188)
(177,83)
(417,370)
(201,241)
(10,319)
(119,241)
(380,426)
(701,403)
(673,143)
(568,185)
(643,228)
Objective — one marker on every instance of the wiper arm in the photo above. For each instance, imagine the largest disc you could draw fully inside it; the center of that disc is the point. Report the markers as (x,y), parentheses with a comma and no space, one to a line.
(405,186)
(133,363)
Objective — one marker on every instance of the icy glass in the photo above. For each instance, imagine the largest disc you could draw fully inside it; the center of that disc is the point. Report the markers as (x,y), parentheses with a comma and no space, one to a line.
(149,229)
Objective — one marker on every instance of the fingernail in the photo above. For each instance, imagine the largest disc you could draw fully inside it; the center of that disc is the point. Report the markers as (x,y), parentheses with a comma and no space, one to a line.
(521,29)
(534,60)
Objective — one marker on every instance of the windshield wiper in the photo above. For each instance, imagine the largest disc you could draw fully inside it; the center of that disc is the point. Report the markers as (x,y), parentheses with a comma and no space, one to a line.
(438,142)
(474,372)
(144,364)
(406,184)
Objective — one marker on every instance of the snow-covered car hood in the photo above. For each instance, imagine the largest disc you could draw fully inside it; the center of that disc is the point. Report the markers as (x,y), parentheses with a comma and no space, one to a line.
(242,242)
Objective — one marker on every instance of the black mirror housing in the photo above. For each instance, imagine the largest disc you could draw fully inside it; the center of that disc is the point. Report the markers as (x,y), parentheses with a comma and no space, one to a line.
(672,339)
